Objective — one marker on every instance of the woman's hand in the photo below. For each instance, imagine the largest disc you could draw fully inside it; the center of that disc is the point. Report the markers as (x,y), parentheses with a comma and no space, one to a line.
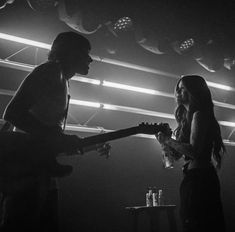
(162,138)
(166,148)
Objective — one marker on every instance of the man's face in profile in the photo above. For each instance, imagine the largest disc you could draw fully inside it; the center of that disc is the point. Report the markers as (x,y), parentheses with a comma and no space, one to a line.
(80,61)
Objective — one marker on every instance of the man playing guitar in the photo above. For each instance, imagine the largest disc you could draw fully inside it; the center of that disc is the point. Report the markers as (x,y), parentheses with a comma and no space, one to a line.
(38,111)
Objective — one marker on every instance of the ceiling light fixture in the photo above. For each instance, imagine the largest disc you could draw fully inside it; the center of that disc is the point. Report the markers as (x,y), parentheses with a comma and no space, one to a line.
(183,47)
(123,24)
(119,108)
(210,56)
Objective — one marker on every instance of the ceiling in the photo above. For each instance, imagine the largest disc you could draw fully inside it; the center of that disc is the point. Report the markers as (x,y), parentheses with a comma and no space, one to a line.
(167,21)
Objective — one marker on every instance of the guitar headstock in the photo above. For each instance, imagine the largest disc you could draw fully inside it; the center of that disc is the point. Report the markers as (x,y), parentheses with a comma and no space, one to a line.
(152,129)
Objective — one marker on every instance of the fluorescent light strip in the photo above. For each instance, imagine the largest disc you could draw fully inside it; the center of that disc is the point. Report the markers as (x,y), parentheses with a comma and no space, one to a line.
(220,86)
(228,142)
(94,57)
(109,107)
(16,65)
(26,67)
(155,92)
(133,66)
(224,105)
(29,68)
(24,41)
(126,109)
(137,111)
(7,92)
(110,61)
(226,123)
(85,103)
(86,80)
(86,129)
(136,89)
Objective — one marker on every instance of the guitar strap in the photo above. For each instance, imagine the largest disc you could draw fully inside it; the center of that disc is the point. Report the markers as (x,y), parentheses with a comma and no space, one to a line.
(66,113)
(67,106)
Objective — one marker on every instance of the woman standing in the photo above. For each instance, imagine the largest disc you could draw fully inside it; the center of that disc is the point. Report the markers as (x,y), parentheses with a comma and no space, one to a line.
(198,141)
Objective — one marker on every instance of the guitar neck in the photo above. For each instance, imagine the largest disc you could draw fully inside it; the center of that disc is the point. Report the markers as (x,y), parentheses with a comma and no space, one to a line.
(102,138)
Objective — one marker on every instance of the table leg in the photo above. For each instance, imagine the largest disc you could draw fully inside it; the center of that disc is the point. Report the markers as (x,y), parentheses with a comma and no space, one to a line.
(134,221)
(172,221)
(154,222)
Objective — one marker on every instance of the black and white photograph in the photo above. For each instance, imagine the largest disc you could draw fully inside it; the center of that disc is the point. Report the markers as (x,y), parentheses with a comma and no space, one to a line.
(117,116)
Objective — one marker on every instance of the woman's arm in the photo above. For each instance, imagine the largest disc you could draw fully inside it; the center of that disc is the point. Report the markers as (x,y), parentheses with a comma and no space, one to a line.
(193,149)
(185,149)
(169,151)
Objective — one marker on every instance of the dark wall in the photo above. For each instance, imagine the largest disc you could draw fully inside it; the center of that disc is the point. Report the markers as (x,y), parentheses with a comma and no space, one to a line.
(96,194)
(94,197)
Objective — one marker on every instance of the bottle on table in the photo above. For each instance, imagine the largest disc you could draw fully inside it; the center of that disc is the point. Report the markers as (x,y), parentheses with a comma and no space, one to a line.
(149,197)
(160,197)
(155,197)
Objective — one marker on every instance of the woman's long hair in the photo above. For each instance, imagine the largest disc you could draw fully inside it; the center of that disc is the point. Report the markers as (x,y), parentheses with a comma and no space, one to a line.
(200,100)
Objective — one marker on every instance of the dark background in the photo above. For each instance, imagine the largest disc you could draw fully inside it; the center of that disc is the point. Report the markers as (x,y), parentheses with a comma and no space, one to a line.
(94,197)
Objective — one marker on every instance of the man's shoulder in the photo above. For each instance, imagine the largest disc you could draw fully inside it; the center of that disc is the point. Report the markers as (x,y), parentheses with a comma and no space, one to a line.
(45,73)
(47,67)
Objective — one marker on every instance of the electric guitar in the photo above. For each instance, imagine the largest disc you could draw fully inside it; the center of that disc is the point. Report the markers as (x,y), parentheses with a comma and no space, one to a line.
(21,155)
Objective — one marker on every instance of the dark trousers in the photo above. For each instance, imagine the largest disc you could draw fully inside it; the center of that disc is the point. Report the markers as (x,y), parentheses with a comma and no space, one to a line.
(201,207)
(27,212)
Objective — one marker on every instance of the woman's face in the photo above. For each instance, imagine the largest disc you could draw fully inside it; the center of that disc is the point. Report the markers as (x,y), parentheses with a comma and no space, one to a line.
(181,94)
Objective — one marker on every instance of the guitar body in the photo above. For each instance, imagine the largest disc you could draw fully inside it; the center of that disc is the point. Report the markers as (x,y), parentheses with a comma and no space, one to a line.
(22,155)
(25,159)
